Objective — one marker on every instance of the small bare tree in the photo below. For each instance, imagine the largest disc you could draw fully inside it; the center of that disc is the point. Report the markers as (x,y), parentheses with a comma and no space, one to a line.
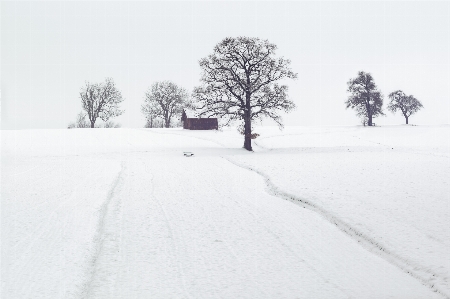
(239,83)
(111,124)
(80,122)
(406,104)
(164,100)
(101,101)
(154,123)
(365,97)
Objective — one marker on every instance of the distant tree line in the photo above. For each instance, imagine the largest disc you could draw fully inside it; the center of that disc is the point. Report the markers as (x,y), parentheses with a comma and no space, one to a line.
(240,82)
(367,100)
(81,122)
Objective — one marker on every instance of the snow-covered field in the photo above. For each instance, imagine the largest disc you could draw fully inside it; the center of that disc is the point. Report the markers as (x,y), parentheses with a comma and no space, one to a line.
(331,212)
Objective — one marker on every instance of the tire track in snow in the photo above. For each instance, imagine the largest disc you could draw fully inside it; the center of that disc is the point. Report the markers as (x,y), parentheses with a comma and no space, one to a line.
(423,275)
(99,236)
(280,244)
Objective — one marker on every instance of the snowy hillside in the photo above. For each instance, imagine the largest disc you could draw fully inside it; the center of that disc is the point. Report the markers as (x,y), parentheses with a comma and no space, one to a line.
(313,212)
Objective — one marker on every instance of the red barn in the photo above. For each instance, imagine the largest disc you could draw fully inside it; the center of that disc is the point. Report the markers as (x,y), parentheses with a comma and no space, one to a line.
(199,123)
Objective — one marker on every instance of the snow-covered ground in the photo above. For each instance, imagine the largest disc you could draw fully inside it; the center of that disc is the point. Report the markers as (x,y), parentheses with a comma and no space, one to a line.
(332,212)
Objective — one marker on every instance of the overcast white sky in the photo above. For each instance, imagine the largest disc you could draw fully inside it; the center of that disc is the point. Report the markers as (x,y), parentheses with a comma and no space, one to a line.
(49,49)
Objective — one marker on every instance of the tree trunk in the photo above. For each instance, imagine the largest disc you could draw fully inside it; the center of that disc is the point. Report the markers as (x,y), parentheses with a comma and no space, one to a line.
(369,110)
(406,119)
(247,124)
(167,124)
(247,133)
(92,124)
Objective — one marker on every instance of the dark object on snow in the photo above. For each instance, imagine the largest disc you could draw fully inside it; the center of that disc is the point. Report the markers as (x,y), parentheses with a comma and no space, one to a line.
(188,154)
(199,123)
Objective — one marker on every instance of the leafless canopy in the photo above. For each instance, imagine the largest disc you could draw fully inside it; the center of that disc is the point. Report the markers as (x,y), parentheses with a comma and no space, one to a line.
(240,83)
(365,97)
(406,104)
(164,100)
(101,101)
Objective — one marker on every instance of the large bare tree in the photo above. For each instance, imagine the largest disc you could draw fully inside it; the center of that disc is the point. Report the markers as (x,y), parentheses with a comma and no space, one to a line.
(101,100)
(164,100)
(239,82)
(406,104)
(365,97)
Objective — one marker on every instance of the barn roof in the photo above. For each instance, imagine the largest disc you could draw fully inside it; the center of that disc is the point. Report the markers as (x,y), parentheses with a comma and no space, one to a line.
(190,114)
